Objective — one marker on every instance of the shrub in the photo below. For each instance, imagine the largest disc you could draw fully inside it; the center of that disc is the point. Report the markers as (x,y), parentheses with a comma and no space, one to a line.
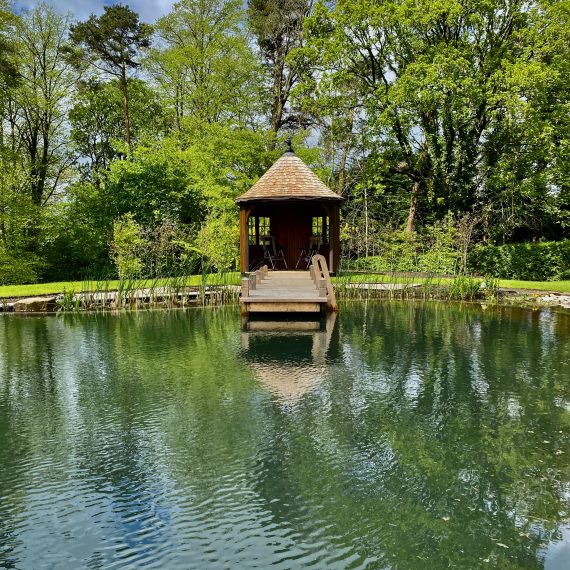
(127,247)
(18,268)
(218,239)
(435,250)
(542,261)
(441,251)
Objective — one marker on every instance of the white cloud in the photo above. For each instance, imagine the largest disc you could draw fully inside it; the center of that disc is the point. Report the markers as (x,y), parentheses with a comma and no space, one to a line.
(148,10)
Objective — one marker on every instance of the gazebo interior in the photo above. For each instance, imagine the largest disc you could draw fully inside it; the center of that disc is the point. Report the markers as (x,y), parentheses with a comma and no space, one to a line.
(284,235)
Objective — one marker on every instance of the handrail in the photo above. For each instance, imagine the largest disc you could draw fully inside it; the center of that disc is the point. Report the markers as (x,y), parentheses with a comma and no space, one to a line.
(250,283)
(322,279)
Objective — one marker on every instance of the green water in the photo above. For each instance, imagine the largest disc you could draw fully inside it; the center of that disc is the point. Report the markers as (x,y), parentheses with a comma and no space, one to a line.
(402,436)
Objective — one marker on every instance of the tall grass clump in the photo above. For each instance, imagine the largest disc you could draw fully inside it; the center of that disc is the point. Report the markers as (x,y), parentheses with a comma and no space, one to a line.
(464,288)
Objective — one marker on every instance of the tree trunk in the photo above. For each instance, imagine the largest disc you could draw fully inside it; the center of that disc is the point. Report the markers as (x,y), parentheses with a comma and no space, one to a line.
(413,207)
(344,156)
(277,106)
(178,105)
(280,94)
(366,220)
(125,88)
(32,148)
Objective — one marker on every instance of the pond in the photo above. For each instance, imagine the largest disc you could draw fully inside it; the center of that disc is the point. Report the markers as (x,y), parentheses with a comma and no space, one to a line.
(401,436)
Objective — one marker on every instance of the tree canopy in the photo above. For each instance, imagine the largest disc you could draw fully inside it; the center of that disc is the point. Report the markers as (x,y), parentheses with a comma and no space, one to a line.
(423,115)
(111,43)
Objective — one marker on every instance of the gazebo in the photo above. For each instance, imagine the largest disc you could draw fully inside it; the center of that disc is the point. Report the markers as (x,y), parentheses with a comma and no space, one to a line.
(289,213)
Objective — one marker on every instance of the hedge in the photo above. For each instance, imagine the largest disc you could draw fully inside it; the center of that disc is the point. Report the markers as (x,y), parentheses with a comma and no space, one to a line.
(542,261)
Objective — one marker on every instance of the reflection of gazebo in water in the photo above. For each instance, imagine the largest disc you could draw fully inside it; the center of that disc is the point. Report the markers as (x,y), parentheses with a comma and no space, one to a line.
(290,358)
(286,214)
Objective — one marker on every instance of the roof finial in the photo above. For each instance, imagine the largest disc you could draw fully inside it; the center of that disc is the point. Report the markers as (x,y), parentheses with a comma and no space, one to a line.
(289,142)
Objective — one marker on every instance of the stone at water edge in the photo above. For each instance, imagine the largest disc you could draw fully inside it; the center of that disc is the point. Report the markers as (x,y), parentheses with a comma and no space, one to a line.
(35,305)
(561,300)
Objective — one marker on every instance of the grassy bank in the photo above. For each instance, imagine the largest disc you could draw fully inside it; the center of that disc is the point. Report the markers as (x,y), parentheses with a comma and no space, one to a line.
(558,286)
(357,277)
(209,280)
(212,280)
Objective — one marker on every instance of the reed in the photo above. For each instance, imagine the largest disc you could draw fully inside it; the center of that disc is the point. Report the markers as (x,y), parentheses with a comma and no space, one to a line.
(426,286)
(108,294)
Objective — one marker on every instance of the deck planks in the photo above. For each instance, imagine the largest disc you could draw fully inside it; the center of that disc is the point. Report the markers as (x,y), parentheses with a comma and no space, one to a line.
(284,291)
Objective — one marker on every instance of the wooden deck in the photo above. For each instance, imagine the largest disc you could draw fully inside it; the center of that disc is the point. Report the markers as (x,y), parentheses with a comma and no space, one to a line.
(284,292)
(288,291)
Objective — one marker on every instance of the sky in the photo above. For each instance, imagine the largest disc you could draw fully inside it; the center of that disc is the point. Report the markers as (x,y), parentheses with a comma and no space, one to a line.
(148,10)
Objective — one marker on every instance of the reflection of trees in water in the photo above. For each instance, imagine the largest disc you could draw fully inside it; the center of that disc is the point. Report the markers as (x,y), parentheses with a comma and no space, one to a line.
(149,388)
(418,436)
(441,461)
(20,398)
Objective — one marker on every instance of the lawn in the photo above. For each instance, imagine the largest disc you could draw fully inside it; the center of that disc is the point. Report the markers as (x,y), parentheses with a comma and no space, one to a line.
(558,286)
(9,291)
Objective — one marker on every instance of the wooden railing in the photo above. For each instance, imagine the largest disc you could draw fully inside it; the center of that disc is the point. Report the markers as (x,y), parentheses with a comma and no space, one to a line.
(322,279)
(250,283)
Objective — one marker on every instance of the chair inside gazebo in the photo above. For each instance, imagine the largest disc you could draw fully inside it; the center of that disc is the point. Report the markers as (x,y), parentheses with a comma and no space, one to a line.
(286,237)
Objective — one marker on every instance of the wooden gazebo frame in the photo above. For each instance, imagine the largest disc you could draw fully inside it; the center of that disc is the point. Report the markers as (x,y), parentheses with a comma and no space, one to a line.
(286,212)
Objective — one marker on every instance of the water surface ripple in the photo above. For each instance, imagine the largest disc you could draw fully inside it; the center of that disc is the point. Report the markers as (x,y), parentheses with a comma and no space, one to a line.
(401,436)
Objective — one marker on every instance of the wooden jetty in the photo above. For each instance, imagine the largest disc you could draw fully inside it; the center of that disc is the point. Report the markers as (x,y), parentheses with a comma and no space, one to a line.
(311,291)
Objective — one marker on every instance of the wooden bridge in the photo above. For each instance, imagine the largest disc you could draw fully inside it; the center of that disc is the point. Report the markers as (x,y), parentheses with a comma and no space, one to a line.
(289,291)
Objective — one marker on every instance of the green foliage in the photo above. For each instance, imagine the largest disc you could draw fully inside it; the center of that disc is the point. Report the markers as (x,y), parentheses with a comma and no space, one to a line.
(529,261)
(464,288)
(17,216)
(8,55)
(434,250)
(111,40)
(127,247)
(278,27)
(441,249)
(169,250)
(75,237)
(158,183)
(111,43)
(218,239)
(423,115)
(68,301)
(491,286)
(36,114)
(462,106)
(204,66)
(97,121)
(19,267)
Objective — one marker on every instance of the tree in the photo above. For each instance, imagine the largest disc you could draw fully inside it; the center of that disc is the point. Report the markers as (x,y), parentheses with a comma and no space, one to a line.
(8,61)
(37,106)
(8,64)
(111,43)
(278,26)
(97,122)
(203,63)
(450,97)
(17,214)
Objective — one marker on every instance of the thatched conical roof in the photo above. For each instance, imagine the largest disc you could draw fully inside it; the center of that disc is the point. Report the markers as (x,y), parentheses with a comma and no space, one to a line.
(289,179)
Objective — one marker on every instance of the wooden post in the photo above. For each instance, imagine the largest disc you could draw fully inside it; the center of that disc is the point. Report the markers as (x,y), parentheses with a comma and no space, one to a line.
(325,280)
(252,282)
(333,211)
(245,287)
(244,239)
(322,288)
